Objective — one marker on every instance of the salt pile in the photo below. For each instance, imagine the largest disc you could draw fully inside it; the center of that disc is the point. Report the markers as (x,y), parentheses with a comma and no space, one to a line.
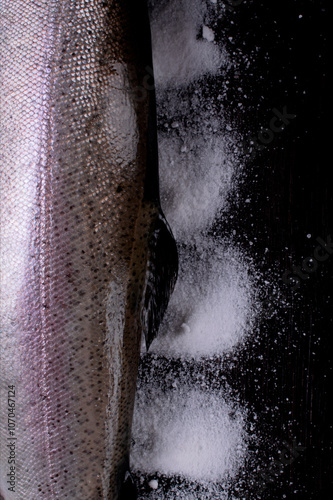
(174,441)
(192,431)
(179,56)
(211,309)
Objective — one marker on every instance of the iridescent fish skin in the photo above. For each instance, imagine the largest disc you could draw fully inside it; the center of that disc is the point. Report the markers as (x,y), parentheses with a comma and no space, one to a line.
(87,259)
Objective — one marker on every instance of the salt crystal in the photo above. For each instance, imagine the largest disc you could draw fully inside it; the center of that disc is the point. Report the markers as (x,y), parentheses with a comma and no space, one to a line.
(153,484)
(208,34)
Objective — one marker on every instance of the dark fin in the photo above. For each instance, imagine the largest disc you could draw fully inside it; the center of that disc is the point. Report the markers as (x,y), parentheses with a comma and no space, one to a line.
(128,490)
(161,275)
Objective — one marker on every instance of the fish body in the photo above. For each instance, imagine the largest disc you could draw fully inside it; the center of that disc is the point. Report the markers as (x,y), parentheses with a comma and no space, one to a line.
(87,258)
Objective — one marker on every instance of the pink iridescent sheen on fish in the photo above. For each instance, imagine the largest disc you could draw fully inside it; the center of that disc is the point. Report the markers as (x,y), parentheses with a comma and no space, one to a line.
(87,259)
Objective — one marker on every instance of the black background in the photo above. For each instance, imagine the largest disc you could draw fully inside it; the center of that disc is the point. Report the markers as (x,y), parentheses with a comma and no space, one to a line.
(286,374)
(291,197)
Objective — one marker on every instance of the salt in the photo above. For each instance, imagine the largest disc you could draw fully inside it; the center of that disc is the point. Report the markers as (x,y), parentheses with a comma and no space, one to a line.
(190,430)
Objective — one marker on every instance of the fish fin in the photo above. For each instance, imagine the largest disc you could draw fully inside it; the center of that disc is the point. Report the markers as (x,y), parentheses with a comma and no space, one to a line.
(128,490)
(161,275)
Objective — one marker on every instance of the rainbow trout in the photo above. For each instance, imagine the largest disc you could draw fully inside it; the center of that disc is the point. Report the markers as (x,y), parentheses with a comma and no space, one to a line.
(87,259)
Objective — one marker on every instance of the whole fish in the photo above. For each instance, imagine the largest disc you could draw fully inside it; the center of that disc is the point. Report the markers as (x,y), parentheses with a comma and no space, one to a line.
(87,259)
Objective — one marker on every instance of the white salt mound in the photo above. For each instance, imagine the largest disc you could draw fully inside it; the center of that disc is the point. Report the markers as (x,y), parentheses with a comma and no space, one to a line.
(212,308)
(189,432)
(179,56)
(195,180)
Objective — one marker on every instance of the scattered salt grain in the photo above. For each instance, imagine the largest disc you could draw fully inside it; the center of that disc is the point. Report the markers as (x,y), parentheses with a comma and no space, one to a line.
(188,432)
(153,484)
(208,34)
(214,294)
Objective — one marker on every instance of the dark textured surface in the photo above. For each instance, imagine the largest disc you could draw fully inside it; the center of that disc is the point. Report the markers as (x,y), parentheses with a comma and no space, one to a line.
(286,375)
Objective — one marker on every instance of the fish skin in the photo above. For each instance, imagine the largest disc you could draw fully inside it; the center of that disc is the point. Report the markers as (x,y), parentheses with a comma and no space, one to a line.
(87,258)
